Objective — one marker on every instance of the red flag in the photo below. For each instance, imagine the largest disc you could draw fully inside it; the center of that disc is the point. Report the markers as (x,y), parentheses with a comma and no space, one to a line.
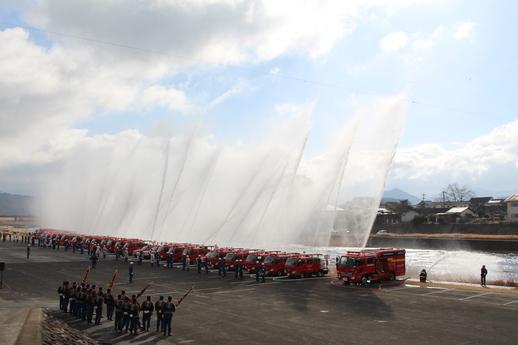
(143,290)
(112,282)
(85,275)
(184,296)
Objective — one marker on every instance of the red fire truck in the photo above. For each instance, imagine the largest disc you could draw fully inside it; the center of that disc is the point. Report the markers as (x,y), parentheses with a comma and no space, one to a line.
(193,251)
(252,258)
(304,265)
(275,263)
(370,265)
(213,256)
(163,250)
(232,257)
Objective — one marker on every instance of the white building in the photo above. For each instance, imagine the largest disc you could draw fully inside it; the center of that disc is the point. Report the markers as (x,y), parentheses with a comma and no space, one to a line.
(512,208)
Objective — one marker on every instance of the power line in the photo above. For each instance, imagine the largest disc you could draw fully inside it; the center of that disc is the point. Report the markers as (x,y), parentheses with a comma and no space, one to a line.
(282,75)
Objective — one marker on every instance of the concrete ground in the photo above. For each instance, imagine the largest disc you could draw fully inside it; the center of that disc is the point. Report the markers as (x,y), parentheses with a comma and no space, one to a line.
(310,311)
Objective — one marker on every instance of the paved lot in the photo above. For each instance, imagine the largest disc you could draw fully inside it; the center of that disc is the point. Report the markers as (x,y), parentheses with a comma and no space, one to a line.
(311,311)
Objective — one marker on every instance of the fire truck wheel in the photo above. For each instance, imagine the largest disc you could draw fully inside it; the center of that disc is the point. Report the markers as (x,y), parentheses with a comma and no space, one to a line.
(392,276)
(319,274)
(364,280)
(280,273)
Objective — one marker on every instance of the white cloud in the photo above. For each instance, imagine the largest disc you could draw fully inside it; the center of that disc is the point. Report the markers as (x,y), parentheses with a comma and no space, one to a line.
(239,87)
(465,31)
(473,159)
(204,31)
(170,98)
(394,41)
(110,56)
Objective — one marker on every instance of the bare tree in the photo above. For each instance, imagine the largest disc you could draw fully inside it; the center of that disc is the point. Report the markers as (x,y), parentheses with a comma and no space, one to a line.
(454,192)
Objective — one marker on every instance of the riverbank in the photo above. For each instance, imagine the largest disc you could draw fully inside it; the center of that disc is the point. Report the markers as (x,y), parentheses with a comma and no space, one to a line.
(494,243)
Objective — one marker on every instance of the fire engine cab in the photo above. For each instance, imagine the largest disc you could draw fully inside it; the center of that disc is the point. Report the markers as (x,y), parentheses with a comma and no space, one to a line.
(303,266)
(369,265)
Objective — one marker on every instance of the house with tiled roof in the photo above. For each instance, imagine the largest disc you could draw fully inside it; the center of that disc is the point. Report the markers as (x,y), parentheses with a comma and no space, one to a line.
(512,208)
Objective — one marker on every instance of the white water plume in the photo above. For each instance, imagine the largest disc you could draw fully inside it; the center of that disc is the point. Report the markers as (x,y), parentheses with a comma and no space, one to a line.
(187,188)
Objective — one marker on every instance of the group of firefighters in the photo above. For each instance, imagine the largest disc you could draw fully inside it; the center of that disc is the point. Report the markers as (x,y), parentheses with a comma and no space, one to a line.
(85,302)
(202,265)
(483,273)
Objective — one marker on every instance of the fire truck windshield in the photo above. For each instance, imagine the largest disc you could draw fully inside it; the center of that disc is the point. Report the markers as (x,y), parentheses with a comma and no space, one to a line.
(347,262)
(213,255)
(271,260)
(230,256)
(292,262)
(251,257)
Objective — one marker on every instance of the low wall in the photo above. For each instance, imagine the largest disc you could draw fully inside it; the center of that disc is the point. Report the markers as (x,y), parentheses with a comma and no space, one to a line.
(468,228)
(507,246)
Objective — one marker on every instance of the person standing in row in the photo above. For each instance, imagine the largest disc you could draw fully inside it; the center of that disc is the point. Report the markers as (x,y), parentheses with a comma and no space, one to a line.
(198,264)
(118,313)
(184,262)
(99,301)
(147,311)
(168,310)
(110,304)
(206,265)
(126,310)
(134,316)
(28,251)
(159,315)
(169,260)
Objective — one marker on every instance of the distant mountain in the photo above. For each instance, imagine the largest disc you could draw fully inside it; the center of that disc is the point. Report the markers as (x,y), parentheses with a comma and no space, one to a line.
(15,205)
(397,194)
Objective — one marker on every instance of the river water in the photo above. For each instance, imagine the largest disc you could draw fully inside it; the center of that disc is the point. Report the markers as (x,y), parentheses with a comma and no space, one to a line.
(443,265)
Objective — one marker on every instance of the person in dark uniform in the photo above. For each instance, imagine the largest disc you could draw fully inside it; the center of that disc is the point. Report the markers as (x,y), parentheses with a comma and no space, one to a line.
(184,262)
(134,316)
(130,272)
(110,304)
(91,299)
(422,276)
(236,270)
(73,297)
(93,259)
(28,251)
(257,271)
(66,299)
(126,309)
(147,311)
(169,260)
(168,310)
(483,274)
(99,301)
(220,267)
(61,294)
(263,273)
(198,264)
(206,265)
(79,303)
(239,269)
(159,315)
(118,314)
(223,267)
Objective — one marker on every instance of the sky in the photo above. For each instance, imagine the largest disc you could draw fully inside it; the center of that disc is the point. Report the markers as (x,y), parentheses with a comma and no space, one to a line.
(73,73)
